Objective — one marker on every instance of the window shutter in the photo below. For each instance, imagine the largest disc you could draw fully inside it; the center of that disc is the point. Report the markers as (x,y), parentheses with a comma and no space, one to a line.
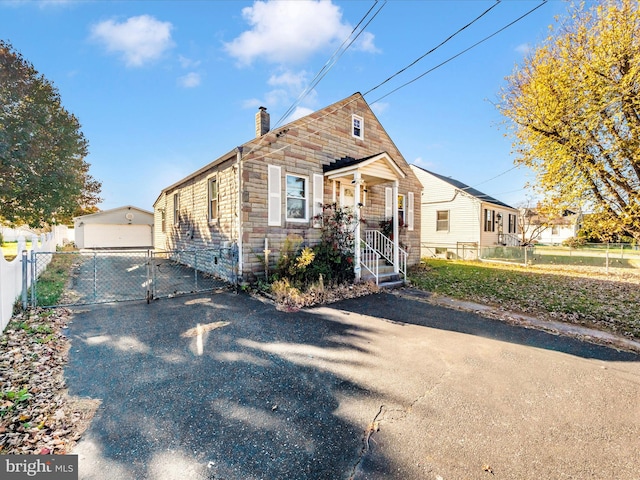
(410,210)
(275,196)
(318,198)
(388,203)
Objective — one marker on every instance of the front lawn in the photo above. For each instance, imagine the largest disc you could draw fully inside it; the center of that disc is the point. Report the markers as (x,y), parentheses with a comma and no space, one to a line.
(587,296)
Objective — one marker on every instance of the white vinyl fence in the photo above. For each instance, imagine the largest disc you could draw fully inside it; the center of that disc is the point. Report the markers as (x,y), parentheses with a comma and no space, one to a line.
(11,273)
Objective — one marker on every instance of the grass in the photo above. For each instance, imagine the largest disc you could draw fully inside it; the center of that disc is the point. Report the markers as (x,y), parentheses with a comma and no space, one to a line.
(609,302)
(52,282)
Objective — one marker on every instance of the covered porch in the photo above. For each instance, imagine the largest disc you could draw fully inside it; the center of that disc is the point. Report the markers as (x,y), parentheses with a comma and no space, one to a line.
(377,257)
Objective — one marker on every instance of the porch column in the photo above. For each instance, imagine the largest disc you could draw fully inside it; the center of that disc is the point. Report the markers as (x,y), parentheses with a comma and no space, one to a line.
(356,211)
(396,230)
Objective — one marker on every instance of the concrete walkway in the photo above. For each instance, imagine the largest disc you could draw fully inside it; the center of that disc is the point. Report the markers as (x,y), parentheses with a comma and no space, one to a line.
(383,387)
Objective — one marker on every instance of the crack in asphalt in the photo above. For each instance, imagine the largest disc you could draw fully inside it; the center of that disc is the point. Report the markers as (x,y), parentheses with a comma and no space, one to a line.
(370,430)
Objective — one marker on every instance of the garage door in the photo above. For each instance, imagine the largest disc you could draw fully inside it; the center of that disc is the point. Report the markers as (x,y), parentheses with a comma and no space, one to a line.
(117,236)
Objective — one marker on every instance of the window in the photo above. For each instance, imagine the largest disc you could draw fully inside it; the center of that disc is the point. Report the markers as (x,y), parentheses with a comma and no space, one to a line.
(401,217)
(442,221)
(489,220)
(296,198)
(163,220)
(213,198)
(176,209)
(512,223)
(554,230)
(357,126)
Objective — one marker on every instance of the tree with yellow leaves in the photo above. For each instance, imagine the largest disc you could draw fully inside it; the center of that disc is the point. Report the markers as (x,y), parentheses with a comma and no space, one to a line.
(574,111)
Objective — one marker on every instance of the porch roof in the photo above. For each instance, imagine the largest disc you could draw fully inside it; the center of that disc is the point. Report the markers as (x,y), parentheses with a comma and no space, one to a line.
(375,169)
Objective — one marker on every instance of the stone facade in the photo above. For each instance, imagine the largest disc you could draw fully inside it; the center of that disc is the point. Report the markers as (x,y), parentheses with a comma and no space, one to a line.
(301,148)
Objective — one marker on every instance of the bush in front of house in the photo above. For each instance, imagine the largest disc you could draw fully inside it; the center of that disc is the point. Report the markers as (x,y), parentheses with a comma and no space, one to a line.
(303,269)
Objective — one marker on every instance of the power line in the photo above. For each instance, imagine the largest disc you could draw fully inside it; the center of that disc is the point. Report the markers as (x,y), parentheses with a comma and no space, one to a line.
(460,30)
(333,59)
(459,53)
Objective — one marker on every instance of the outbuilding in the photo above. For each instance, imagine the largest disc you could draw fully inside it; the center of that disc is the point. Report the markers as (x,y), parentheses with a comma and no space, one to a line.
(123,227)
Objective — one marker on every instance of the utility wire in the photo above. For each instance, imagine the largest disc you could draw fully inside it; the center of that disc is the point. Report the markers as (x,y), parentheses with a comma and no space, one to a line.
(459,53)
(460,30)
(333,59)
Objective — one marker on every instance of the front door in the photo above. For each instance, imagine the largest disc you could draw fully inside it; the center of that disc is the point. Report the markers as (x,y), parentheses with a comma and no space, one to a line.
(347,196)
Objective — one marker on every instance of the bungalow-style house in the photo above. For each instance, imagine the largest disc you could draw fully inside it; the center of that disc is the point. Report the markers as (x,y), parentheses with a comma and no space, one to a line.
(539,228)
(458,220)
(249,200)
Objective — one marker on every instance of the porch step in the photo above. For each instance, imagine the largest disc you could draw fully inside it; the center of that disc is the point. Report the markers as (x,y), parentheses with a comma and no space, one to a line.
(387,279)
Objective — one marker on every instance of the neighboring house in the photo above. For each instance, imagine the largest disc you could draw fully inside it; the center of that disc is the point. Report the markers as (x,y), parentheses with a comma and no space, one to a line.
(256,195)
(458,220)
(554,231)
(123,227)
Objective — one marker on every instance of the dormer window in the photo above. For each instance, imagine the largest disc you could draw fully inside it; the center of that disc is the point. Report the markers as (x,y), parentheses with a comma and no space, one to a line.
(357,126)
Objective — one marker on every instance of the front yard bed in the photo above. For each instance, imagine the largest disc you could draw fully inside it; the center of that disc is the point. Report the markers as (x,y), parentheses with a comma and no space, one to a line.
(579,295)
(36,414)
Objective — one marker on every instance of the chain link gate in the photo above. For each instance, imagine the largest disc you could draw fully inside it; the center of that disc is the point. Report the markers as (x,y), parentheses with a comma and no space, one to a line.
(115,276)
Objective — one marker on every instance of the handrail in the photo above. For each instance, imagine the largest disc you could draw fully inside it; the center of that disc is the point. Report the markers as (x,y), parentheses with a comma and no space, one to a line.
(378,243)
(369,260)
(509,239)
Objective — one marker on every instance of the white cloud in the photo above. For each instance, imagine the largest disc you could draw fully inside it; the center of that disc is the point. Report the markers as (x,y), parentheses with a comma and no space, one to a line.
(190,80)
(139,39)
(299,112)
(379,107)
(290,32)
(523,49)
(188,63)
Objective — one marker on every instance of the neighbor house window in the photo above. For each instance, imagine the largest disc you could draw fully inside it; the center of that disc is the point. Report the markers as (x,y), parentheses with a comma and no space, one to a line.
(163,218)
(401,208)
(512,223)
(357,126)
(176,209)
(489,220)
(296,198)
(554,230)
(213,198)
(442,221)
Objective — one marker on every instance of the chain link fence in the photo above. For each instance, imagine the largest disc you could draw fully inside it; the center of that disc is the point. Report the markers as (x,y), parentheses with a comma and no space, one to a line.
(116,276)
(600,255)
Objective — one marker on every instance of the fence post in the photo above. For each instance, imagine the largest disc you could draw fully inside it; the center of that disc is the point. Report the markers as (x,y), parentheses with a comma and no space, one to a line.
(25,279)
(95,277)
(34,277)
(195,267)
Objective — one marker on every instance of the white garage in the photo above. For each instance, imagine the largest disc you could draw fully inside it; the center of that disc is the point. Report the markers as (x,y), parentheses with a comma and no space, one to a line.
(123,227)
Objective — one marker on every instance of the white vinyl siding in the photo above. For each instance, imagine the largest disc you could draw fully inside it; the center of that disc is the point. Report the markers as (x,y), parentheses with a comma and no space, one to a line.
(275,196)
(464,214)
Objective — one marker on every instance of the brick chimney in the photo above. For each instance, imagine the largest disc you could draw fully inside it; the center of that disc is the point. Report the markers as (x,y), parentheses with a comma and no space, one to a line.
(262,122)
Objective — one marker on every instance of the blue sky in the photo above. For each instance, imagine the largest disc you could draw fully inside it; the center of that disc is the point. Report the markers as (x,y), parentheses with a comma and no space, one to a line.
(162,88)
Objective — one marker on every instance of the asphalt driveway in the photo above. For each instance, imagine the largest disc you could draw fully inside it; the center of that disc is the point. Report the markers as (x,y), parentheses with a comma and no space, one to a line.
(223,386)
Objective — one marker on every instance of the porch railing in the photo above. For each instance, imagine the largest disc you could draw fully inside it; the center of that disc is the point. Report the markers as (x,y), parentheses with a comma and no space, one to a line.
(509,240)
(377,246)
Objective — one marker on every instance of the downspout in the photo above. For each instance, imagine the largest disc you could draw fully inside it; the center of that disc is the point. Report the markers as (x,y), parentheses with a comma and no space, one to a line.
(239,214)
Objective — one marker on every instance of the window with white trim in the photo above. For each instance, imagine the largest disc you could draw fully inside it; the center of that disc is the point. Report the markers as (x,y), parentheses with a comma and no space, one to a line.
(442,221)
(176,209)
(213,198)
(357,126)
(297,198)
